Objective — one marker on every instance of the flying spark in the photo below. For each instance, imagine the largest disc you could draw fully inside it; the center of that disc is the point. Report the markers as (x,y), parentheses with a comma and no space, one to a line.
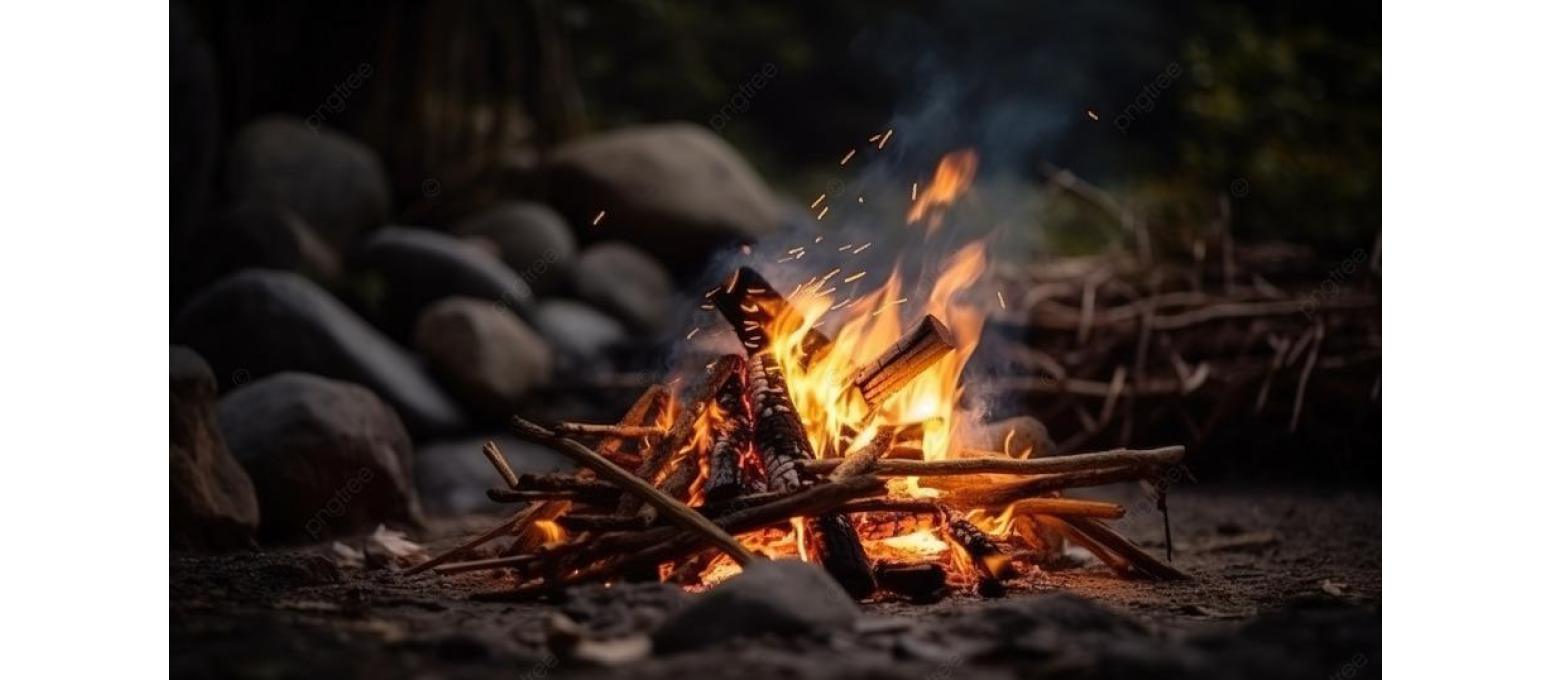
(846,159)
(854,276)
(823,212)
(886,135)
(818,200)
(1001,299)
(599,217)
(864,246)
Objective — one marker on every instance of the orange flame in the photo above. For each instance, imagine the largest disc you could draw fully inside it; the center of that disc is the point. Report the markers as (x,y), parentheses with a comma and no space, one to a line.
(954,173)
(862,325)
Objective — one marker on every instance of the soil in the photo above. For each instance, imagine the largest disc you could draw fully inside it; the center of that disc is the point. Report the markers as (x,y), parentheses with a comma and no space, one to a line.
(1284,583)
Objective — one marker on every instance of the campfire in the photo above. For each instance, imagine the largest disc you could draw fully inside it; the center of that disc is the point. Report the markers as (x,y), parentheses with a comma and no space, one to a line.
(834,437)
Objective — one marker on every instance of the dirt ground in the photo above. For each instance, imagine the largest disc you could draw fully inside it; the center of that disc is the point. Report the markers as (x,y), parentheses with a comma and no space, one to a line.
(1285,583)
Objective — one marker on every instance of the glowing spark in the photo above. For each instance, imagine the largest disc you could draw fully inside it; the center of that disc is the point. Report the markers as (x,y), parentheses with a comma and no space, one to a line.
(886,135)
(846,159)
(864,246)
(831,273)
(599,217)
(1092,113)
(914,191)
(818,239)
(822,293)
(794,251)
(747,249)
(818,200)
(691,334)
(784,259)
(860,199)
(846,247)
(1001,299)
(823,212)
(707,306)
(875,137)
(854,276)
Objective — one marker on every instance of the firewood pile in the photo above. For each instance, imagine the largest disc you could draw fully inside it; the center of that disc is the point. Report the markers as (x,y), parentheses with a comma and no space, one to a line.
(1235,338)
(723,468)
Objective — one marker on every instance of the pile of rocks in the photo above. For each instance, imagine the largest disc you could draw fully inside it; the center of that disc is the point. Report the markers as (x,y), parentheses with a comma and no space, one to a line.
(327,356)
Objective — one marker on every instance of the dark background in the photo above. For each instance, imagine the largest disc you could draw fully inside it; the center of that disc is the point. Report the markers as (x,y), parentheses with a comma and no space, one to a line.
(1283,96)
(1275,106)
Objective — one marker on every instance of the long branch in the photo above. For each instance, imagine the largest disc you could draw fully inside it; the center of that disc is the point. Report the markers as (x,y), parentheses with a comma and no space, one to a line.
(672,508)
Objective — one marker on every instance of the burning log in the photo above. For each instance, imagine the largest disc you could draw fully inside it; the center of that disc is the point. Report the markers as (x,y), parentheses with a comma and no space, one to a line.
(752,306)
(733,434)
(989,561)
(781,443)
(687,518)
(778,436)
(921,347)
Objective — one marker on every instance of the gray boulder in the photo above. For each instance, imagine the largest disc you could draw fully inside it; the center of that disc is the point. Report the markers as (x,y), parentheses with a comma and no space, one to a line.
(327,458)
(676,190)
(532,239)
(770,597)
(266,236)
(213,503)
(258,322)
(408,269)
(627,283)
(335,183)
(483,353)
(580,335)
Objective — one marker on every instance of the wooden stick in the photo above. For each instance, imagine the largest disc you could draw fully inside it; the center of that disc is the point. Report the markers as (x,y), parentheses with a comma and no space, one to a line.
(490,563)
(594,494)
(609,430)
(682,429)
(733,434)
(521,519)
(669,543)
(678,512)
(498,460)
(907,358)
(991,464)
(1097,532)
(864,460)
(1003,494)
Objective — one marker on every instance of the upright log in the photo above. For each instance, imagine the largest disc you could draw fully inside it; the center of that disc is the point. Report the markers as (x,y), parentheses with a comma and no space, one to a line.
(752,306)
(989,561)
(781,443)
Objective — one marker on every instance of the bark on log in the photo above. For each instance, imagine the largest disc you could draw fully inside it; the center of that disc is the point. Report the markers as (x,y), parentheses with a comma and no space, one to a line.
(733,435)
(989,561)
(781,443)
(752,306)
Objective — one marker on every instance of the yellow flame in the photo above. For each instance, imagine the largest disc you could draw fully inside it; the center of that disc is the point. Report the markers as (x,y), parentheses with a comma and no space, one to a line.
(953,175)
